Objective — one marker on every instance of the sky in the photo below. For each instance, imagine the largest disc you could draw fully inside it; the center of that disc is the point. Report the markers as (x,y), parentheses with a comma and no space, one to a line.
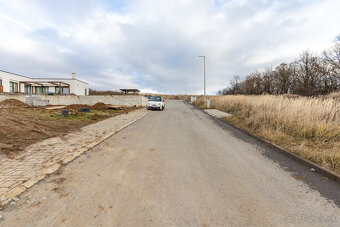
(153,45)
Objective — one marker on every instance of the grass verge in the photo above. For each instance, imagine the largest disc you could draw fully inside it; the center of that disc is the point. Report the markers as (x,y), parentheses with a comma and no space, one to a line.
(309,127)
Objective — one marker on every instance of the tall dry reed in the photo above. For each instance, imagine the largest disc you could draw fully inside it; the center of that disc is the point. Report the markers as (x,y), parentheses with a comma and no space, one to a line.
(307,126)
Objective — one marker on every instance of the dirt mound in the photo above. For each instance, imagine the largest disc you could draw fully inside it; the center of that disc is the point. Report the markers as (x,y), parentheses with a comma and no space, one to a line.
(12,103)
(99,106)
(77,107)
(21,127)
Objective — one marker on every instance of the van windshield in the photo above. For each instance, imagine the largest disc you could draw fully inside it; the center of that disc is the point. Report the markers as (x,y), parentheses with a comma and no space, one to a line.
(156,99)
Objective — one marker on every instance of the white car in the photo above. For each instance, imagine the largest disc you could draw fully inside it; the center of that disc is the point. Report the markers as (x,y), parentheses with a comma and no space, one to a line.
(156,103)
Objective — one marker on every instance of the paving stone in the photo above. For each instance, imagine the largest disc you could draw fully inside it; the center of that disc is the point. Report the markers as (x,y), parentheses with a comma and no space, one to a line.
(43,158)
(8,183)
(15,192)
(217,113)
(3,190)
(30,182)
(51,169)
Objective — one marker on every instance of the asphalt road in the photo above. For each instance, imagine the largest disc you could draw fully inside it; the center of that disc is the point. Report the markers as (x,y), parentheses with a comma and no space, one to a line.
(177,167)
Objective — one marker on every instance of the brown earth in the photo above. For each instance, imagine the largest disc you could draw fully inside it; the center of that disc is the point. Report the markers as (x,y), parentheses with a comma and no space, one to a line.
(21,125)
(97,106)
(76,107)
(12,103)
(100,106)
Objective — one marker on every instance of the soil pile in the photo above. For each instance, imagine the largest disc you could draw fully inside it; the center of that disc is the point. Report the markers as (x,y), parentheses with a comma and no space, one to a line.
(21,127)
(13,103)
(77,107)
(99,106)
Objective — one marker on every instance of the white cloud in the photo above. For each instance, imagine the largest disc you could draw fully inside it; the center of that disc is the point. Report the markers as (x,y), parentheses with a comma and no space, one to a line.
(18,23)
(149,91)
(154,45)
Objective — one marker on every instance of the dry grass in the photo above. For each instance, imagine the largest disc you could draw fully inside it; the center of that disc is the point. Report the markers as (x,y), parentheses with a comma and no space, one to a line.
(309,127)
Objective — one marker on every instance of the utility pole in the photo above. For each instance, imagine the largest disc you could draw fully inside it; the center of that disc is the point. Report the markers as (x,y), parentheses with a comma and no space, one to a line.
(205,97)
(185,88)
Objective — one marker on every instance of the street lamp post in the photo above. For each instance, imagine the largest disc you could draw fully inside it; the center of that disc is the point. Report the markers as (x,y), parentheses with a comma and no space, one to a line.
(205,97)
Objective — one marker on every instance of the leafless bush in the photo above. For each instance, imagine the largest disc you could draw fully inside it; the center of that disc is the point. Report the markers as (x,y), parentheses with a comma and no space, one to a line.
(308,75)
(95,92)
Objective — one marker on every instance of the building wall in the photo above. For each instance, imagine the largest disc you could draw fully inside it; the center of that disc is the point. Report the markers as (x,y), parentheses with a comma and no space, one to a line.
(77,87)
(124,100)
(10,77)
(81,88)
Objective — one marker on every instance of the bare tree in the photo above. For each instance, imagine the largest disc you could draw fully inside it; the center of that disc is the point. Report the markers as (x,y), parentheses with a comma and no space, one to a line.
(308,75)
(268,83)
(283,77)
(253,84)
(236,85)
(331,58)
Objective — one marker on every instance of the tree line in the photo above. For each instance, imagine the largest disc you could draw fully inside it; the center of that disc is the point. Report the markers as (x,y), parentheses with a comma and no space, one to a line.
(95,92)
(308,75)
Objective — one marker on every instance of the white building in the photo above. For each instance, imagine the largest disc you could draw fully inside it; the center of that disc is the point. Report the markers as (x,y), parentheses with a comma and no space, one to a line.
(14,83)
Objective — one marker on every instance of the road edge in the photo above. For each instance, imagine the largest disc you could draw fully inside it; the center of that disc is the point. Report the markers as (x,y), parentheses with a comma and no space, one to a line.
(21,188)
(327,173)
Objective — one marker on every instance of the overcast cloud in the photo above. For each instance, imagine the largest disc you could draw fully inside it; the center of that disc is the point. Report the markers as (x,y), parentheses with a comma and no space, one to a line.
(154,45)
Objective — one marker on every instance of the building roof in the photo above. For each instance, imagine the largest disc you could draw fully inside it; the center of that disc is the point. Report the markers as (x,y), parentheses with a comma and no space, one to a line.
(15,74)
(45,83)
(46,78)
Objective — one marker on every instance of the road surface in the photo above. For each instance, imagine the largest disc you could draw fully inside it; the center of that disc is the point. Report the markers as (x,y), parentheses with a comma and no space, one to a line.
(176,167)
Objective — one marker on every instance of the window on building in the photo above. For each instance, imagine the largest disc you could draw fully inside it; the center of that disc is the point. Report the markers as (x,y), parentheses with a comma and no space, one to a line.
(45,89)
(64,90)
(85,91)
(38,90)
(41,90)
(28,88)
(13,87)
(0,82)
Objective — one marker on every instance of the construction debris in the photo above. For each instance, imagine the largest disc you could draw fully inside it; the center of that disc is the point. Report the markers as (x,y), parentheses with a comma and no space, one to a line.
(65,113)
(35,100)
(55,107)
(113,107)
(85,110)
